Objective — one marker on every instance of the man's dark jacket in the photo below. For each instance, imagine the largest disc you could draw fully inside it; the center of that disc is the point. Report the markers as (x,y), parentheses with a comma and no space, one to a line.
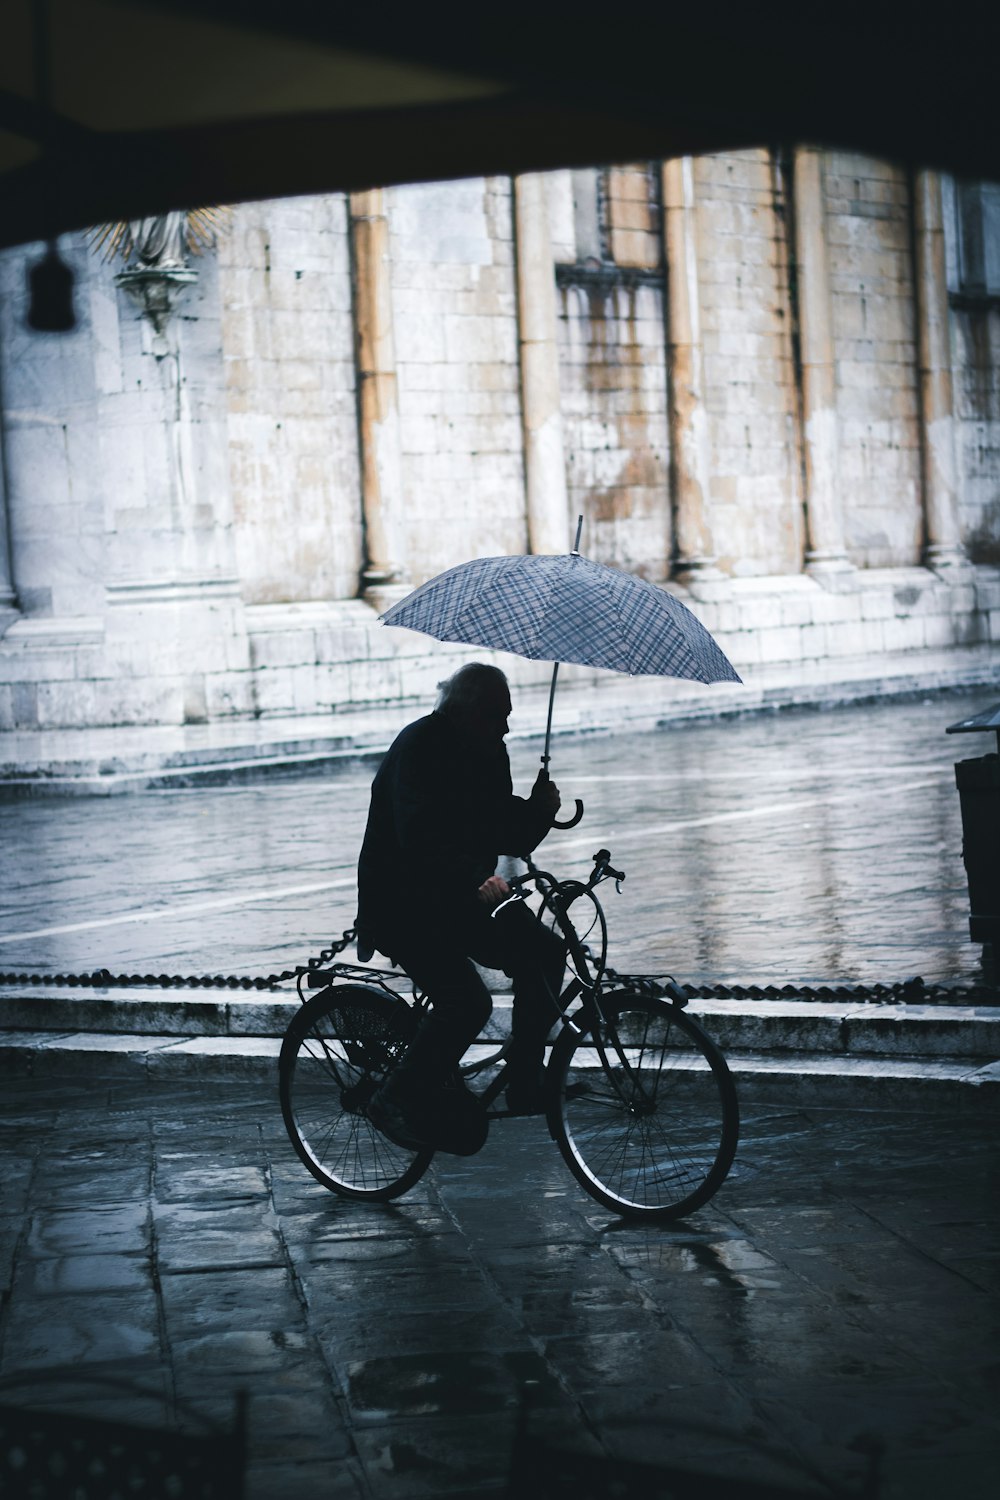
(442,812)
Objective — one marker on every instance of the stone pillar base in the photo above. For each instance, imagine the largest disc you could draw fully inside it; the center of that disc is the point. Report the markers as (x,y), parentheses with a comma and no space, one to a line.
(831,570)
(945,560)
(701,578)
(382,596)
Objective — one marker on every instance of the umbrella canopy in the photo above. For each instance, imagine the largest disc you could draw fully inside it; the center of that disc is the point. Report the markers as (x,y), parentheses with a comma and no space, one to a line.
(565,609)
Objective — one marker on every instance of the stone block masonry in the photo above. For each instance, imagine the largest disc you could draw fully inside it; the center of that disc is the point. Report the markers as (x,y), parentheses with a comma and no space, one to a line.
(456,347)
(874,325)
(756,375)
(288,368)
(612,374)
(976,362)
(749,392)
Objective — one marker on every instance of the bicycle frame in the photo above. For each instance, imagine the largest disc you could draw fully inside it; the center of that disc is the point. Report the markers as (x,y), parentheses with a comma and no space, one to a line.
(590,1015)
(582,983)
(637,1098)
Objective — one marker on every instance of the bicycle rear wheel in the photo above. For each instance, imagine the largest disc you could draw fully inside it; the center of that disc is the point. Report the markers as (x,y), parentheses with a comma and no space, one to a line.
(337,1051)
(645,1110)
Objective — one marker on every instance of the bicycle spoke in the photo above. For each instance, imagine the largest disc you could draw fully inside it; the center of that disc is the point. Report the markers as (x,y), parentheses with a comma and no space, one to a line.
(324,1058)
(335,1055)
(653,1130)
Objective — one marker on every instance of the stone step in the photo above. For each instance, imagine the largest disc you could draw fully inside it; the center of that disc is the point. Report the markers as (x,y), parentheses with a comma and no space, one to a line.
(146,1010)
(779,1079)
(836,1027)
(783,1052)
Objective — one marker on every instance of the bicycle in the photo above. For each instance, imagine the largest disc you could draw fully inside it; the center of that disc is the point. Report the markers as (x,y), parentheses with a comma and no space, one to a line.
(639,1100)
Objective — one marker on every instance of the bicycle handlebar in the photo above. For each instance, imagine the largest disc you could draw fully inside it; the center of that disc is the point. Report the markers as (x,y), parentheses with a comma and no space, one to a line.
(603,869)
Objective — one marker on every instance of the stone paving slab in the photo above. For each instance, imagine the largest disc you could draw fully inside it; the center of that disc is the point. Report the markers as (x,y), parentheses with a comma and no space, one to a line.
(867,1083)
(838,1294)
(214,1057)
(90,1047)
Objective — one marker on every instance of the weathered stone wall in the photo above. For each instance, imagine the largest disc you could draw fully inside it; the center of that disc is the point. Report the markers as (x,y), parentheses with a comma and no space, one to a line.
(613,388)
(288,344)
(455,324)
(440,372)
(869,234)
(118,510)
(977,410)
(52,448)
(612,358)
(748,358)
(632,215)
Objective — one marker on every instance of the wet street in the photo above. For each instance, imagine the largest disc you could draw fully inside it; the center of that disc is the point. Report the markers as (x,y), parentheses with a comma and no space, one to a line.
(836,1301)
(827,1322)
(797,847)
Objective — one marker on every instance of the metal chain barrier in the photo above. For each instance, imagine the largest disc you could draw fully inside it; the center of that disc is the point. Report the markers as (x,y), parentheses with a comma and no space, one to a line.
(907,992)
(103,979)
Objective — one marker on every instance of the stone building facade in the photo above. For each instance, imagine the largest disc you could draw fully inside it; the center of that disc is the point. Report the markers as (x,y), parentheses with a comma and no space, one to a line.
(767,380)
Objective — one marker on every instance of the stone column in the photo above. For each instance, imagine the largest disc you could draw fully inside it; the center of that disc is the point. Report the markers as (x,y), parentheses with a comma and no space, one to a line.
(378,396)
(8,595)
(826,553)
(541,411)
(688,420)
(942,535)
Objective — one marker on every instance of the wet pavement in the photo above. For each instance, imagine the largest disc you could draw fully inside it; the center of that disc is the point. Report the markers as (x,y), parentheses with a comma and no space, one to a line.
(837,1294)
(795,847)
(837,1298)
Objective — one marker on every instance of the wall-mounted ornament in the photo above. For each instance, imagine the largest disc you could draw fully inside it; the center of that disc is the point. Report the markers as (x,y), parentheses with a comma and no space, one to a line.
(155,249)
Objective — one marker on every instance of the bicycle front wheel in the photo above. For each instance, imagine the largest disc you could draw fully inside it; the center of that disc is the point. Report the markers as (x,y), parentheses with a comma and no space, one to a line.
(337,1051)
(645,1110)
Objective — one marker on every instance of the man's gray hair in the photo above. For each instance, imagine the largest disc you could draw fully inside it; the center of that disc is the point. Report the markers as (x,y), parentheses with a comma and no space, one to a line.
(470,686)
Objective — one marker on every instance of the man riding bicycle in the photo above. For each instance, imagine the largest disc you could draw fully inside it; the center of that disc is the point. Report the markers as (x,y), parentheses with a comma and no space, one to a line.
(442,812)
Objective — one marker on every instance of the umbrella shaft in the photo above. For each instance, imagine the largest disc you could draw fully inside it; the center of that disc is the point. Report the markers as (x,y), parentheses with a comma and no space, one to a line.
(548,727)
(555,666)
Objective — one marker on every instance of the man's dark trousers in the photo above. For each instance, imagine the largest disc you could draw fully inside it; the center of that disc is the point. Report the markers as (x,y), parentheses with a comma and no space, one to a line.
(440,963)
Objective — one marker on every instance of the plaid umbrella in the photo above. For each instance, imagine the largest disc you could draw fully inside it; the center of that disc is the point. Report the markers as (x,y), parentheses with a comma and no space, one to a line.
(565,608)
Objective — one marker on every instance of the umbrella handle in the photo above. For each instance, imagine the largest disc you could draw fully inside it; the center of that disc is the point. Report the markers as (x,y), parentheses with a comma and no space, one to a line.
(570,822)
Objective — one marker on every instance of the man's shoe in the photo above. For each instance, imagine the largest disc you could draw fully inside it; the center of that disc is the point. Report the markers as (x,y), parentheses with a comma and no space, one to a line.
(394,1120)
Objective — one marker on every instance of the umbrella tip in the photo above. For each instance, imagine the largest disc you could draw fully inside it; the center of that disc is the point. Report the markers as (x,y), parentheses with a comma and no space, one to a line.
(576,545)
